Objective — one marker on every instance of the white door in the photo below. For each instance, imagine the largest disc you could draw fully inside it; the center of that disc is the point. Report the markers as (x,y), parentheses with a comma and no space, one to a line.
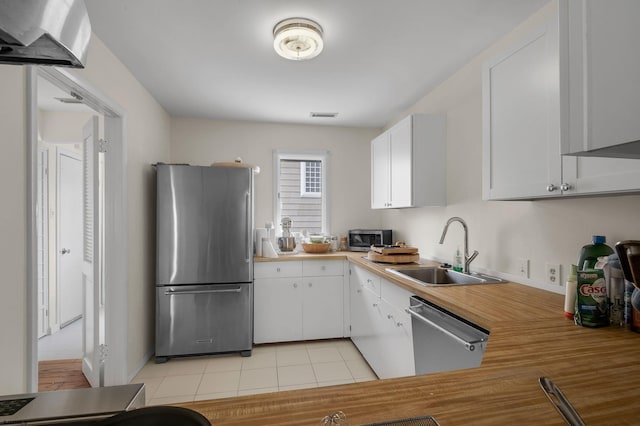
(91,361)
(69,237)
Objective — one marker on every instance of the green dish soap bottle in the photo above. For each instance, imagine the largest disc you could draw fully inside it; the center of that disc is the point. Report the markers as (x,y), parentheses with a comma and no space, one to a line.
(457,261)
(590,253)
(592,307)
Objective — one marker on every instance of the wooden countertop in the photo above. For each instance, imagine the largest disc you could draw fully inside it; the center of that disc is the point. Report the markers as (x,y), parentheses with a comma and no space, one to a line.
(597,369)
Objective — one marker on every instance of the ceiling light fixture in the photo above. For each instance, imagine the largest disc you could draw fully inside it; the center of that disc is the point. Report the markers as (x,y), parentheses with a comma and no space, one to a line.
(297,39)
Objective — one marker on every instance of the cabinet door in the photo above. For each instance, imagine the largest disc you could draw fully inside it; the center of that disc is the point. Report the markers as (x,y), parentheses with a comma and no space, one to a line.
(521,127)
(601,73)
(401,169)
(366,319)
(397,346)
(277,310)
(380,172)
(598,175)
(322,308)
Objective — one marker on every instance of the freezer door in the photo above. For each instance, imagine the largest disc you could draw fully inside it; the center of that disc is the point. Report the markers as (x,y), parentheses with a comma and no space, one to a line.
(204,225)
(204,319)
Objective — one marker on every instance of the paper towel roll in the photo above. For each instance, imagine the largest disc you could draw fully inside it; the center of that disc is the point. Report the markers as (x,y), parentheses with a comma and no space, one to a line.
(267,248)
(260,234)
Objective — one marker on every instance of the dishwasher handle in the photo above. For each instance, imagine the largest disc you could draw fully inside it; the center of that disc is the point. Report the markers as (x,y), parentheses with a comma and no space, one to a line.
(471,346)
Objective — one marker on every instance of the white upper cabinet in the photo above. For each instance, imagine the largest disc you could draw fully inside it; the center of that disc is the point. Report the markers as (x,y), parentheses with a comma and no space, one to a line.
(523,127)
(408,164)
(599,47)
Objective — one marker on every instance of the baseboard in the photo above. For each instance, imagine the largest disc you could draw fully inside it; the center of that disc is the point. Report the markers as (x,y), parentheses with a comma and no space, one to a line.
(140,364)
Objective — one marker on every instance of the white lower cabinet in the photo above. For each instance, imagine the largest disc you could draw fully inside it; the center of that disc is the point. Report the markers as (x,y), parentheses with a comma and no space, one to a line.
(291,305)
(380,328)
(322,308)
(277,310)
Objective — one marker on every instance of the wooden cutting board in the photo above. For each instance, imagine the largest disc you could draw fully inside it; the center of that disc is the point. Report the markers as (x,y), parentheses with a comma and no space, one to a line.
(394,250)
(393,258)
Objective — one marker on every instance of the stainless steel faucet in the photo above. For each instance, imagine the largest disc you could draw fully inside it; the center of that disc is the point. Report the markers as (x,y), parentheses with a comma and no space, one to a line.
(467,259)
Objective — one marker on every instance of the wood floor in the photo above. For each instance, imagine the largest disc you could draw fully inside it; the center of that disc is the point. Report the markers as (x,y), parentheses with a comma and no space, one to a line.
(60,375)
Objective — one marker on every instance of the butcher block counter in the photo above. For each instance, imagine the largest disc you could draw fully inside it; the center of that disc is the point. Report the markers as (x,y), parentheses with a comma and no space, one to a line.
(597,369)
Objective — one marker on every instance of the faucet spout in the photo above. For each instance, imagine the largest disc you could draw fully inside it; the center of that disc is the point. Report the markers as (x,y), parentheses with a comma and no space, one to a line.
(467,259)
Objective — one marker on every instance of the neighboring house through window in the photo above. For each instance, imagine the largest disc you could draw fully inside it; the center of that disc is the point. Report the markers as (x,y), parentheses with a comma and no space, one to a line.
(300,183)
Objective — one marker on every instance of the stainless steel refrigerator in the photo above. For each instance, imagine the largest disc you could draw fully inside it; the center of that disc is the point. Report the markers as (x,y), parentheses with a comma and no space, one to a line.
(204,260)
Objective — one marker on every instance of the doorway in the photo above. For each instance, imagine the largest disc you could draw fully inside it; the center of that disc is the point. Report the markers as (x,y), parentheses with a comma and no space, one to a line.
(104,357)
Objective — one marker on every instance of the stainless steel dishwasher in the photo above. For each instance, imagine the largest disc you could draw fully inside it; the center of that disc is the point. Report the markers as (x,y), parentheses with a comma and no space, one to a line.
(443,341)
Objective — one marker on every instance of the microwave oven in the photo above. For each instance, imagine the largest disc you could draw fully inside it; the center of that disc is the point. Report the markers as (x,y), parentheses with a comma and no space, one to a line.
(363,239)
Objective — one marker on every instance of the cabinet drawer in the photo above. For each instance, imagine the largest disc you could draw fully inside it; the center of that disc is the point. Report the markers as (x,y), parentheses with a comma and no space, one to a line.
(366,279)
(397,296)
(277,269)
(320,268)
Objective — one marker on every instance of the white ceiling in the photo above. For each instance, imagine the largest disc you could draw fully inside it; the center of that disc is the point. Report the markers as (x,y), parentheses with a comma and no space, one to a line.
(215,59)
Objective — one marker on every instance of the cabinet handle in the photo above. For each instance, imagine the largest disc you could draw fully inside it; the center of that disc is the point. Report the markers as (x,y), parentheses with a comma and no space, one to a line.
(551,187)
(398,324)
(277,269)
(358,291)
(375,305)
(322,268)
(389,316)
(565,187)
(310,285)
(295,285)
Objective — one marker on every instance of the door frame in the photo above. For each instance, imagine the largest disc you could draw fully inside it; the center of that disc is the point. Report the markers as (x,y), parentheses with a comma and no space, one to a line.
(42,176)
(115,222)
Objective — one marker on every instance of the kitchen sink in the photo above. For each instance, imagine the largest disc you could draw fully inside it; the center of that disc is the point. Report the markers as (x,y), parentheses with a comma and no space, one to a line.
(435,276)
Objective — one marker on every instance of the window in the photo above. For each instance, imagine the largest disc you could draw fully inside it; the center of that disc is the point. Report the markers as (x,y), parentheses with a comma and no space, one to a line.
(300,183)
(311,179)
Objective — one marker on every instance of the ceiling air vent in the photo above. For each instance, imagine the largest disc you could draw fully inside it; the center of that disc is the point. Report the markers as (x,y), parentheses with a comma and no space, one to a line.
(323,114)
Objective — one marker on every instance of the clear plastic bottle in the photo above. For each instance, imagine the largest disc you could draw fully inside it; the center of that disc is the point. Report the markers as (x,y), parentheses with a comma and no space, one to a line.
(590,253)
(570,293)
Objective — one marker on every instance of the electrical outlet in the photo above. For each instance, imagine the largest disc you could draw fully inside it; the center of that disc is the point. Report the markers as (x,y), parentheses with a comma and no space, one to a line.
(552,274)
(523,267)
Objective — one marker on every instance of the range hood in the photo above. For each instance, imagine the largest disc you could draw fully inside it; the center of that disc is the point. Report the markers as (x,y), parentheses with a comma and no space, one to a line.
(44,32)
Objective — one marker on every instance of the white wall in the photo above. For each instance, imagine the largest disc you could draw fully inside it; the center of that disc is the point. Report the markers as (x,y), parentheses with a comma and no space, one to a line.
(62,127)
(549,231)
(202,142)
(13,231)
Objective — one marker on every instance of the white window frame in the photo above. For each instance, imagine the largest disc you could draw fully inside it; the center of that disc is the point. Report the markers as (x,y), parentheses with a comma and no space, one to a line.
(301,155)
(303,183)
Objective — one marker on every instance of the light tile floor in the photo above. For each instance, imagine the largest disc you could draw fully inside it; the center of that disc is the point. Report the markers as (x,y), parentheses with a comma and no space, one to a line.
(271,368)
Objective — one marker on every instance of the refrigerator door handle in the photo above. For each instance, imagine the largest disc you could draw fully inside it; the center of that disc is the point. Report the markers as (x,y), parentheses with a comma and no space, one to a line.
(178,292)
(249,230)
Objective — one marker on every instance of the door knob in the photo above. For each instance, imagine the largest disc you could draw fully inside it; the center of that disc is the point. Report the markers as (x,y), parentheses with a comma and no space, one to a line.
(65,251)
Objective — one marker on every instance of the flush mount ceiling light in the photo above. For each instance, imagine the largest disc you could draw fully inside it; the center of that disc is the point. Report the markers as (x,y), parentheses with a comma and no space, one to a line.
(297,39)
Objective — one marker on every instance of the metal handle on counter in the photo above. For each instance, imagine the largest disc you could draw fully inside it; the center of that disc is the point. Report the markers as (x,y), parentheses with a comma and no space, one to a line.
(560,402)
(471,346)
(226,290)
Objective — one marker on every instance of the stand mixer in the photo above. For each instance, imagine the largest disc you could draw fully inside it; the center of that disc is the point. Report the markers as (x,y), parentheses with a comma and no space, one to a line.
(286,243)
